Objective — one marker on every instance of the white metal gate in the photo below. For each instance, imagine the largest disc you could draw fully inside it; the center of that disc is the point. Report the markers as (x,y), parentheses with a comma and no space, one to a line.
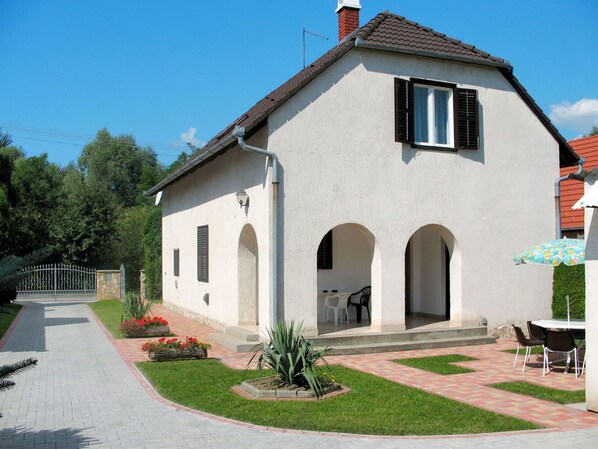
(56,280)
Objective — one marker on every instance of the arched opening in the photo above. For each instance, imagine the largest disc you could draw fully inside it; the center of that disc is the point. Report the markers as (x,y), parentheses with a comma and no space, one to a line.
(248,277)
(428,259)
(344,264)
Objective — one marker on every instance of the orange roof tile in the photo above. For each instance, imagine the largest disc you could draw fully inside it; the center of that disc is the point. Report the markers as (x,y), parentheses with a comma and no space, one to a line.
(572,190)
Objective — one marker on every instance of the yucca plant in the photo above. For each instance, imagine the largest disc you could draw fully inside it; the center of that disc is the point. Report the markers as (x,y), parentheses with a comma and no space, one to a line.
(292,357)
(135,307)
(7,371)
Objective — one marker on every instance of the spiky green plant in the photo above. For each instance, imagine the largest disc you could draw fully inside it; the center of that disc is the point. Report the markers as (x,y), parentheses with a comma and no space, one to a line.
(7,371)
(135,307)
(292,357)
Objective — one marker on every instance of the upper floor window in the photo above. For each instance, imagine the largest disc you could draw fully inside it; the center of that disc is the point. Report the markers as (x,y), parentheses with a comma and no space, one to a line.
(433,110)
(435,114)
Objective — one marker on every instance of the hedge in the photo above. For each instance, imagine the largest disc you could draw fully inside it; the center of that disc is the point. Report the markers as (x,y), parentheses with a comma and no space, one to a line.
(570,281)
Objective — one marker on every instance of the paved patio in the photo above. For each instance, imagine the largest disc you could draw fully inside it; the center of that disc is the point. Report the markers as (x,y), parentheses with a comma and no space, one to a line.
(86,392)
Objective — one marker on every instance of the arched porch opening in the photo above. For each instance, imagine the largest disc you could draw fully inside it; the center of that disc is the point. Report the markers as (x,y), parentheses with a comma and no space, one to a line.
(344,264)
(248,295)
(431,277)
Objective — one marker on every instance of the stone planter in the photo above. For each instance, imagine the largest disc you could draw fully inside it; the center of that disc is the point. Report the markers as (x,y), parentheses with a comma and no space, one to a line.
(177,354)
(255,390)
(153,331)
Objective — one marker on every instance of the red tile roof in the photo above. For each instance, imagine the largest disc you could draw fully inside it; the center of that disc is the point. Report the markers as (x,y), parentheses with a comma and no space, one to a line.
(388,32)
(572,190)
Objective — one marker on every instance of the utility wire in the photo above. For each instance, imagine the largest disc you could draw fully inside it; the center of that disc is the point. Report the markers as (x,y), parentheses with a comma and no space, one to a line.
(80,139)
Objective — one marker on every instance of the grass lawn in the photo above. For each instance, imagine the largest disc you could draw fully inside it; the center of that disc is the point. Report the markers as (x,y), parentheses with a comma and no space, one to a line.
(7,318)
(109,313)
(545,393)
(374,406)
(439,364)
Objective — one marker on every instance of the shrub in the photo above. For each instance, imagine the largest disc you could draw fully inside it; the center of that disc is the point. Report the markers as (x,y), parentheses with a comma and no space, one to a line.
(174,343)
(152,244)
(135,307)
(292,357)
(568,280)
(133,325)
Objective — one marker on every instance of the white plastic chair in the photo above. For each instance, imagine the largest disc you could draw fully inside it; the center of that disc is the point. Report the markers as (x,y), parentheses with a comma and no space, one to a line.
(336,302)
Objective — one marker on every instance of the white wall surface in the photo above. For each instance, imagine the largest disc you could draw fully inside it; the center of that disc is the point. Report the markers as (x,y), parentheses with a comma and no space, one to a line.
(591,268)
(207,196)
(341,164)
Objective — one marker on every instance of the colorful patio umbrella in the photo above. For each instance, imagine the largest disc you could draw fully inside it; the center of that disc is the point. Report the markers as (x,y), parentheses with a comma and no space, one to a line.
(555,252)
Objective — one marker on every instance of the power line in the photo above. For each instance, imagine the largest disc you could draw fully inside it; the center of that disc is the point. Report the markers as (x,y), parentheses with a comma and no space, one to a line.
(80,139)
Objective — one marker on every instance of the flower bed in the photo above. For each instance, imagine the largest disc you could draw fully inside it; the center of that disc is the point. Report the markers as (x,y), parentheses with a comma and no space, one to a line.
(174,349)
(146,327)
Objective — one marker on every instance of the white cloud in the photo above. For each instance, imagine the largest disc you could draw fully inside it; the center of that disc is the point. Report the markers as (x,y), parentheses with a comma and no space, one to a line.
(579,116)
(189,137)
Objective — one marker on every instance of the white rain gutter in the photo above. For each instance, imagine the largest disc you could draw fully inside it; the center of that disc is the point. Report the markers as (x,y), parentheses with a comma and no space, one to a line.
(579,175)
(239,133)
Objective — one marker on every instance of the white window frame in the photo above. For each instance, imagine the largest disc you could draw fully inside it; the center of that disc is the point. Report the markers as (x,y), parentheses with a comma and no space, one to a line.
(432,117)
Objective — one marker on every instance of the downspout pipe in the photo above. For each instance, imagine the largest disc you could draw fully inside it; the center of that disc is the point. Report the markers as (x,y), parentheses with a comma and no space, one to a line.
(239,134)
(579,175)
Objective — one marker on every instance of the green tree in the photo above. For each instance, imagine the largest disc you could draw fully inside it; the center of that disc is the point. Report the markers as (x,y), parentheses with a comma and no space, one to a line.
(84,229)
(37,184)
(128,246)
(593,131)
(152,242)
(119,166)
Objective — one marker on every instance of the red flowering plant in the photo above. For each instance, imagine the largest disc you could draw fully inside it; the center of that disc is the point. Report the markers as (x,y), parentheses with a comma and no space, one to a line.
(174,343)
(133,325)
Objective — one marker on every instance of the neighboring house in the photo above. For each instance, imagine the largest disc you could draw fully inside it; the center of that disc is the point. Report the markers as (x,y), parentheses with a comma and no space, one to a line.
(571,190)
(404,159)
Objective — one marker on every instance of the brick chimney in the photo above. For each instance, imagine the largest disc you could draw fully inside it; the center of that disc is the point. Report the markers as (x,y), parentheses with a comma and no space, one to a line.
(348,17)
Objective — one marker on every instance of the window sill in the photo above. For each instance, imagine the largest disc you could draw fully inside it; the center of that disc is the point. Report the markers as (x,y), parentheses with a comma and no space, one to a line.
(433,147)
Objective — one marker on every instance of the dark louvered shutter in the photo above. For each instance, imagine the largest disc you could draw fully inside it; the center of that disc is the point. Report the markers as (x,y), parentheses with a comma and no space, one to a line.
(325,252)
(467,119)
(202,253)
(404,126)
(176,262)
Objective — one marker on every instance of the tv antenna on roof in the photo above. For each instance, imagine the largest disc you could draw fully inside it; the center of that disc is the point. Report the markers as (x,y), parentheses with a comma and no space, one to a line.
(313,34)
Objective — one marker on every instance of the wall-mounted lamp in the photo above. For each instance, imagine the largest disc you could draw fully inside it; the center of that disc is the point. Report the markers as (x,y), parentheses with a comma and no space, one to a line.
(242,198)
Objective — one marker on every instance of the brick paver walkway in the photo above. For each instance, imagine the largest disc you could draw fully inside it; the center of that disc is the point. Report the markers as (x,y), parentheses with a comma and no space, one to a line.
(85,392)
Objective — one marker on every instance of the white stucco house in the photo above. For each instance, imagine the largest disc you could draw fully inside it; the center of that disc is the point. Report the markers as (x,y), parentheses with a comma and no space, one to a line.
(401,159)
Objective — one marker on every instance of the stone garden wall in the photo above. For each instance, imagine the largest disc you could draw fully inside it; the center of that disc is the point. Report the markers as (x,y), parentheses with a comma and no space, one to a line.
(108,284)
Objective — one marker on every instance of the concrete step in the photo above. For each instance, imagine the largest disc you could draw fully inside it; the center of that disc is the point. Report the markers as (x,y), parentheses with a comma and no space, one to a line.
(399,337)
(242,333)
(348,349)
(232,342)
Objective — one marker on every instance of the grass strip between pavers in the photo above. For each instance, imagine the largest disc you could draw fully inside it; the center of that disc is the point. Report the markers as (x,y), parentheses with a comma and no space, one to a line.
(440,364)
(6,319)
(545,393)
(374,405)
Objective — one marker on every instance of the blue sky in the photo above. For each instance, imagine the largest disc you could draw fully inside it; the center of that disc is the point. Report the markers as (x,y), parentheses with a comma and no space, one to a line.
(169,70)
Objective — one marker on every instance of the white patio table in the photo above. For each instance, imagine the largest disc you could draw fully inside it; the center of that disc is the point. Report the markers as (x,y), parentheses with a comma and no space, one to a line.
(561,324)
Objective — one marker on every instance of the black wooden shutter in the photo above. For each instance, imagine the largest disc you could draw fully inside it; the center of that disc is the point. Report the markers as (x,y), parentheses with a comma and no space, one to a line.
(404,126)
(176,262)
(325,252)
(466,128)
(202,253)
